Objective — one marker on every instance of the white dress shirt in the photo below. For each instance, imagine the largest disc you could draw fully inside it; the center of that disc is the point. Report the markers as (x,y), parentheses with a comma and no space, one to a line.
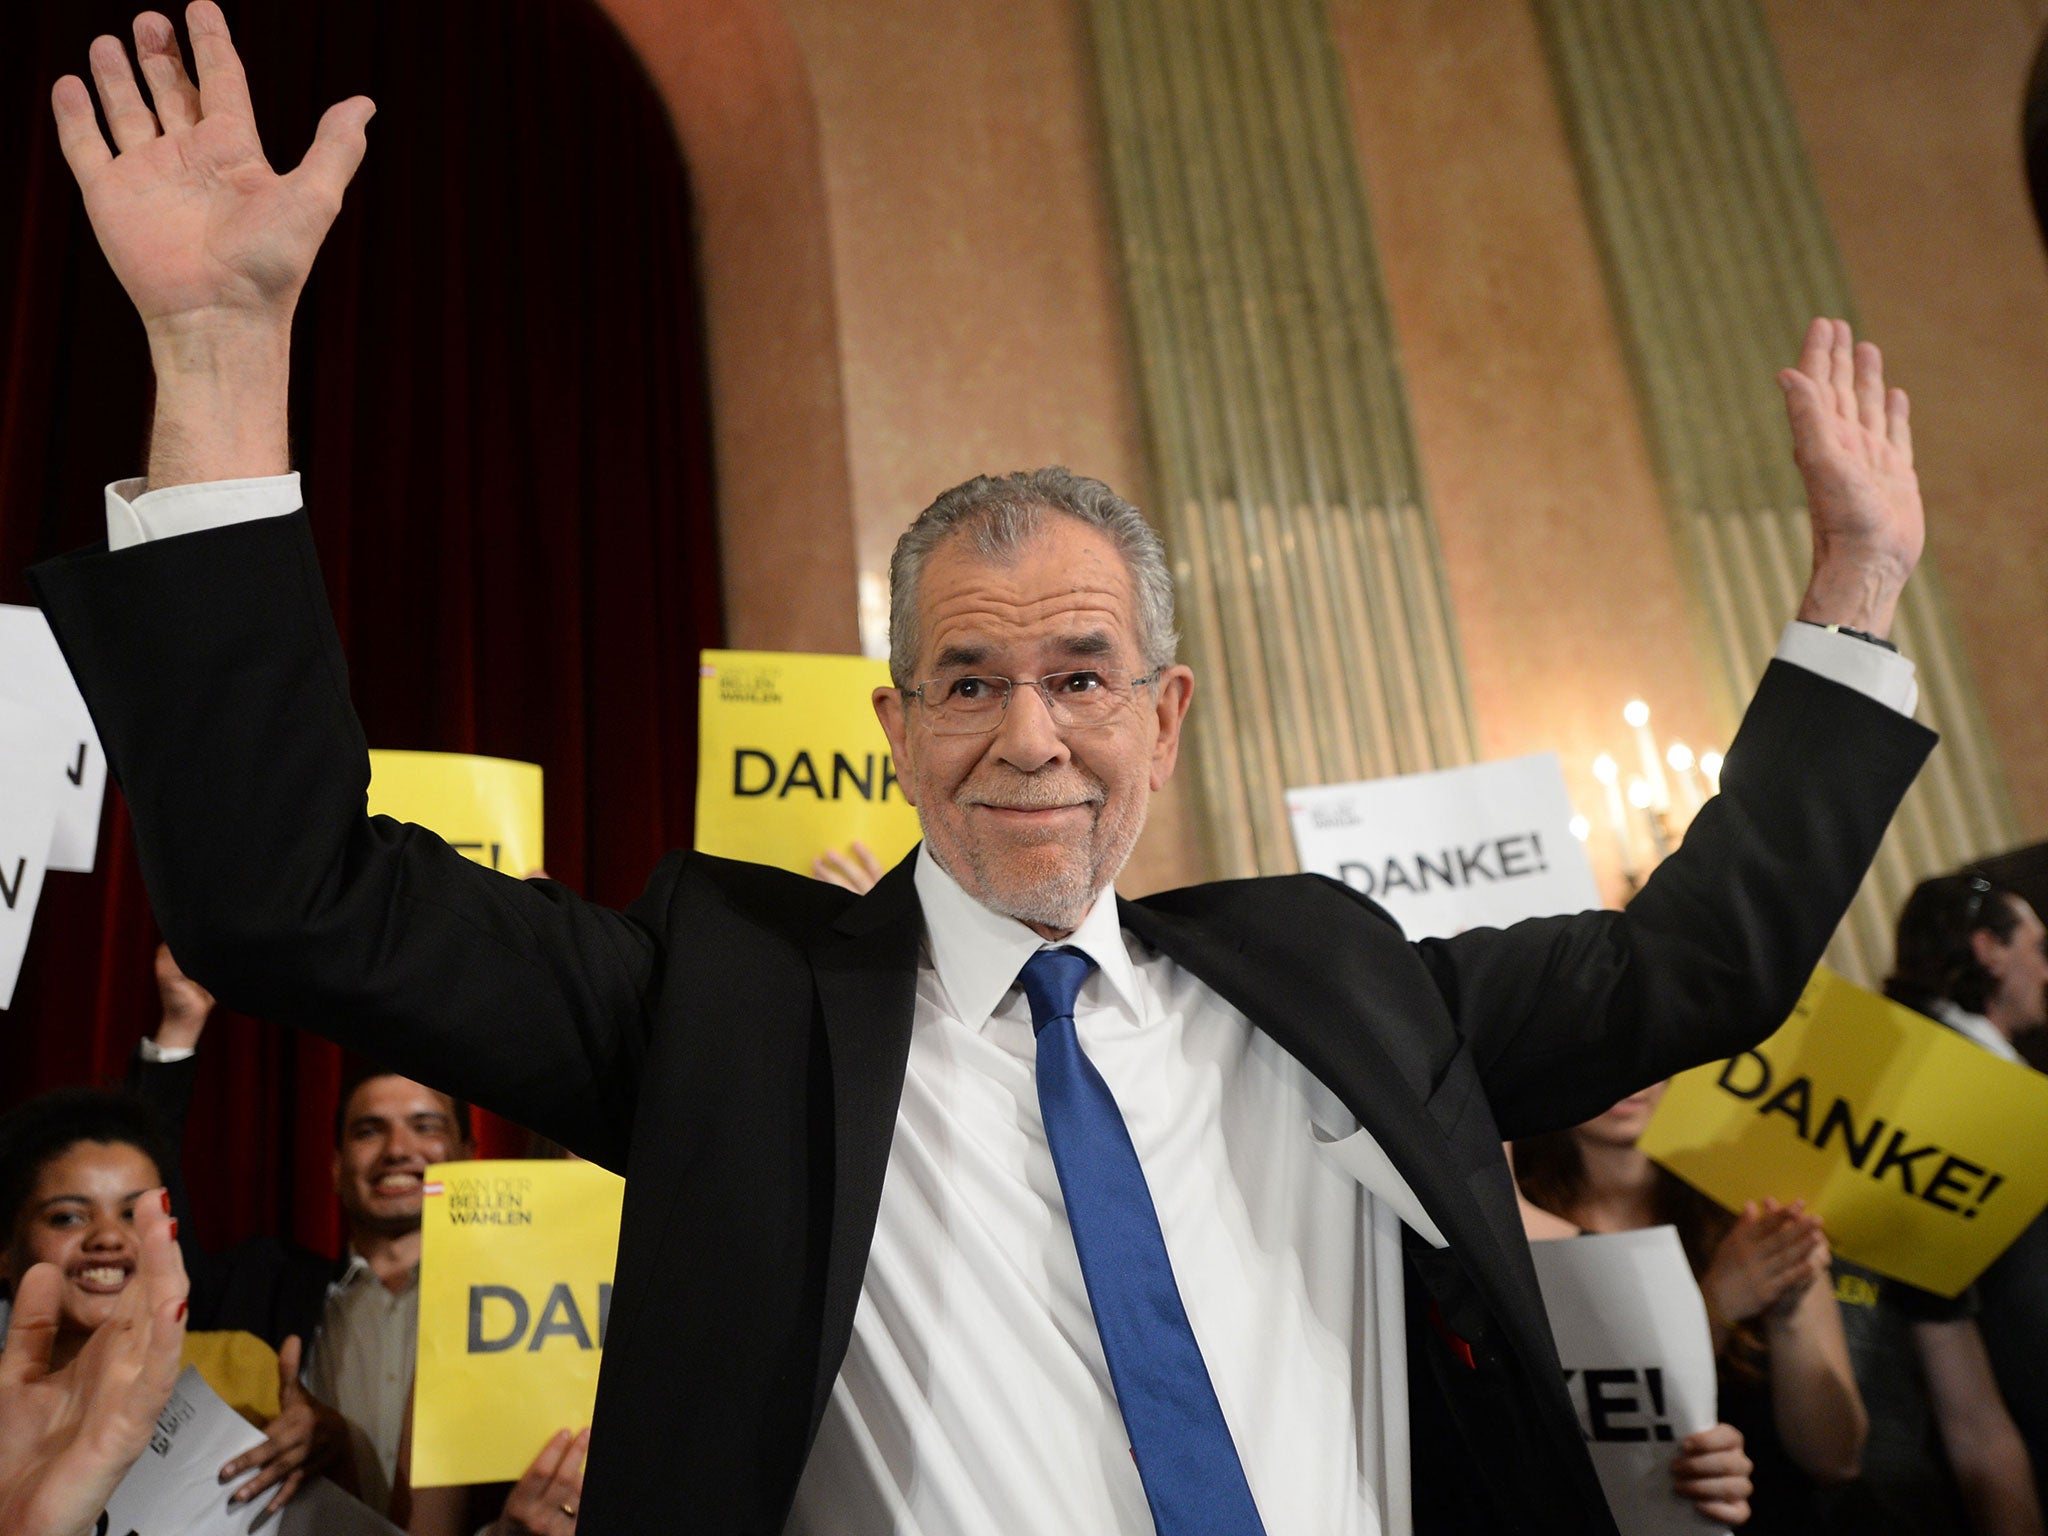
(1978,1029)
(974,1396)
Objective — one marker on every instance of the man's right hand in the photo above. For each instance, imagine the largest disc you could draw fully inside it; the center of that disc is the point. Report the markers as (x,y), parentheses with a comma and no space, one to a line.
(211,244)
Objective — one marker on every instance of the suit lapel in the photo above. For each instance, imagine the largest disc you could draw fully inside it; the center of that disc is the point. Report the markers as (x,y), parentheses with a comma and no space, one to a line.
(866,971)
(1335,1031)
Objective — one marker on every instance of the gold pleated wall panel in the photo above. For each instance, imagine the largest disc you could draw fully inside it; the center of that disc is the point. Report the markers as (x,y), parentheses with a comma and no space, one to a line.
(1718,253)
(1311,587)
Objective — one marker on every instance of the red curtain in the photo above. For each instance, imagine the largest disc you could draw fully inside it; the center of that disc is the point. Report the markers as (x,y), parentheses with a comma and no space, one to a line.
(499,410)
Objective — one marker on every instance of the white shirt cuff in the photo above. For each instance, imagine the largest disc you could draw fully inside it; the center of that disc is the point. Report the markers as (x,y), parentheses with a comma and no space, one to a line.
(151,1051)
(135,516)
(1884,675)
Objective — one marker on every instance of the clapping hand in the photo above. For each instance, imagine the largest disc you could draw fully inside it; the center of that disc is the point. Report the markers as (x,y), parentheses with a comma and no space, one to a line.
(68,1437)
(1854,449)
(1766,1263)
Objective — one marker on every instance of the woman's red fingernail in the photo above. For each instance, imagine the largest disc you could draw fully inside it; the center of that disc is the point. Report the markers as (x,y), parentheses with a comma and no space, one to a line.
(167,1200)
(181,1310)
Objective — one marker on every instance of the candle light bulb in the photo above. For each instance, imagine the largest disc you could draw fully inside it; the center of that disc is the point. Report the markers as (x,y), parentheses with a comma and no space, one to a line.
(1581,828)
(1639,794)
(1710,765)
(1636,713)
(1604,769)
(1679,757)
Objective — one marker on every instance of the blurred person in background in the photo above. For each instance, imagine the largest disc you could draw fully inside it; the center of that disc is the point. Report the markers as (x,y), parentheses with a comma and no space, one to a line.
(70,1431)
(74,1164)
(360,1310)
(1974,957)
(1786,1381)
(1943,1457)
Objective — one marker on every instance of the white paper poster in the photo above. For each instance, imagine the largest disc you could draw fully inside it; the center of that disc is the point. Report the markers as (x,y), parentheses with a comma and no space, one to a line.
(34,676)
(174,1488)
(28,821)
(1475,847)
(1631,1331)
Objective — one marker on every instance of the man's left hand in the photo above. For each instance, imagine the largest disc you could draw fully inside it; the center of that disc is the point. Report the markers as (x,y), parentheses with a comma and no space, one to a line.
(305,1437)
(1854,449)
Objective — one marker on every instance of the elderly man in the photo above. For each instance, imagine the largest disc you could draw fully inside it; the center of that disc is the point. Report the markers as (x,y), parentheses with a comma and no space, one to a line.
(987,1201)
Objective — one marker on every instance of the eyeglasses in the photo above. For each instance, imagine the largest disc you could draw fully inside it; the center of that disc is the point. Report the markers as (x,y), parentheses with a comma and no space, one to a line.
(974,706)
(1979,889)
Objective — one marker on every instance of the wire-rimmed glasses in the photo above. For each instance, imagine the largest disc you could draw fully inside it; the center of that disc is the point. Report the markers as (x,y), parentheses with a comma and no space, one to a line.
(974,706)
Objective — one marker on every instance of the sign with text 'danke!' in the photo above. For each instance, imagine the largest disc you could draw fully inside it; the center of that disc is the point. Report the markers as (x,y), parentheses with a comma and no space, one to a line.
(1476,847)
(1920,1150)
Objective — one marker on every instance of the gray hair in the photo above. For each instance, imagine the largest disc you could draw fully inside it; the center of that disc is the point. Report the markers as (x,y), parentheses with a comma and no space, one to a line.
(1000,515)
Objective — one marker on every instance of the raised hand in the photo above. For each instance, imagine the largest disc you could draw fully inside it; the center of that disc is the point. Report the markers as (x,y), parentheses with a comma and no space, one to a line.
(1854,448)
(197,226)
(68,1437)
(186,1004)
(212,245)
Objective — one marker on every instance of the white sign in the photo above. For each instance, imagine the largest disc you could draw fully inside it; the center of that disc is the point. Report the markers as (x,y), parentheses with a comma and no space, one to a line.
(1631,1330)
(1476,847)
(28,822)
(33,675)
(174,1488)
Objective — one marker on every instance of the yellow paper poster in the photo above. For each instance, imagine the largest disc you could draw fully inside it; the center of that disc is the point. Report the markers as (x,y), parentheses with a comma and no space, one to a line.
(791,760)
(515,1290)
(485,808)
(1920,1150)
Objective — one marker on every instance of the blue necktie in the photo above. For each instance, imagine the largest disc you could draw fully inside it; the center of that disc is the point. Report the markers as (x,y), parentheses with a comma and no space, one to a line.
(1186,1459)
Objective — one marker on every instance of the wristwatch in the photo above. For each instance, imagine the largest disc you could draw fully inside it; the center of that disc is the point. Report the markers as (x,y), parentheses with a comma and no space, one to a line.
(1854,634)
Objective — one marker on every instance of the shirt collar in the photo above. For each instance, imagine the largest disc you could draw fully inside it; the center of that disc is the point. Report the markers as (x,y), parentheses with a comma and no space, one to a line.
(978,953)
(1977,1027)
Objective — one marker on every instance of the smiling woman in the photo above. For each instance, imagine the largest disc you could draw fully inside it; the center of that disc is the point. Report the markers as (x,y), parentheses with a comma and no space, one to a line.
(73,1165)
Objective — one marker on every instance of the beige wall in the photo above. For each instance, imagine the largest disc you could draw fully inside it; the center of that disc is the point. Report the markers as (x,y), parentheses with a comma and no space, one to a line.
(1563,575)
(1911,117)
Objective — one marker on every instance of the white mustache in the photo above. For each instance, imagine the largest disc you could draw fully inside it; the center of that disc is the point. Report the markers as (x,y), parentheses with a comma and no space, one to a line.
(1030,795)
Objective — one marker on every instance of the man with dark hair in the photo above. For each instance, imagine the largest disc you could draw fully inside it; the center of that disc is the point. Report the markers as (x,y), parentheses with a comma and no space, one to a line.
(1974,956)
(387,1130)
(987,1201)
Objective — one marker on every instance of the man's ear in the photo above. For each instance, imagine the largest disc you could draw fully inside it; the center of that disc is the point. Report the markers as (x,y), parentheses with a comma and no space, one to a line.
(1989,950)
(895,718)
(1176,691)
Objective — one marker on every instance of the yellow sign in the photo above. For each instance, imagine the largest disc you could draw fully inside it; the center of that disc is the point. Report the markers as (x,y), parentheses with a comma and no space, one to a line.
(791,760)
(515,1291)
(1920,1150)
(485,808)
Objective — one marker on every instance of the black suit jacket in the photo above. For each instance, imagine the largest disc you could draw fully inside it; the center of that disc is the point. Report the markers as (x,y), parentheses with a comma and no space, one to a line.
(265,1285)
(735,1041)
